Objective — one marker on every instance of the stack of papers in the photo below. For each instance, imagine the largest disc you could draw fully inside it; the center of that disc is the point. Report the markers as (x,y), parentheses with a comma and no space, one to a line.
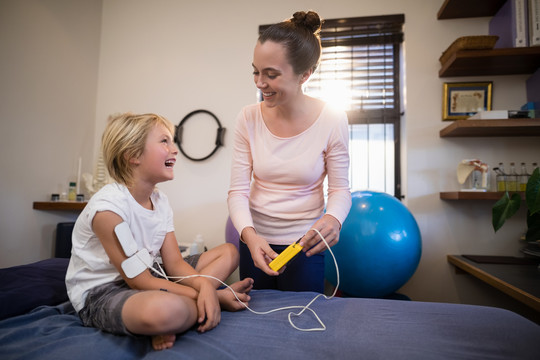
(492,114)
(502,114)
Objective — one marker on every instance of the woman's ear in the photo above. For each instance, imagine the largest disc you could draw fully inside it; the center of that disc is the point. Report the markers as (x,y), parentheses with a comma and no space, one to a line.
(305,76)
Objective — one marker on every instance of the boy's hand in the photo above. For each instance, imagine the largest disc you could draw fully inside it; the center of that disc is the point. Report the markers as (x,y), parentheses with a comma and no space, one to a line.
(208,307)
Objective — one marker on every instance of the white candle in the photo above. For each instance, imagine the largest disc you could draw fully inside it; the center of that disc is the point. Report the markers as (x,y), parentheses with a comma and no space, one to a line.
(79,176)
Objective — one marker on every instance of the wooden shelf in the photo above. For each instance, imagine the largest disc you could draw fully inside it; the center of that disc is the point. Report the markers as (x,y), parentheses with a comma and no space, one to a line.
(509,61)
(473,195)
(518,281)
(455,9)
(59,205)
(490,128)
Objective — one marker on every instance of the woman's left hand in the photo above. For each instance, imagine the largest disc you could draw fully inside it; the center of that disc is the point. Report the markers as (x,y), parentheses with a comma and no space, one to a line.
(329,227)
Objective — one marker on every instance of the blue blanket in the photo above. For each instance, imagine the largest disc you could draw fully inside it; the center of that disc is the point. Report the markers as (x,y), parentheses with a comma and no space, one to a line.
(356,328)
(24,287)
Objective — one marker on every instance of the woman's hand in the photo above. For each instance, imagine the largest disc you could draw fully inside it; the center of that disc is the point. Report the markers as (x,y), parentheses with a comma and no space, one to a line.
(208,307)
(329,227)
(261,252)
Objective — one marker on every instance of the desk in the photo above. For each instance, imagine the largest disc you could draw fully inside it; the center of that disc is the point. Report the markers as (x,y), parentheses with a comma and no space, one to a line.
(520,281)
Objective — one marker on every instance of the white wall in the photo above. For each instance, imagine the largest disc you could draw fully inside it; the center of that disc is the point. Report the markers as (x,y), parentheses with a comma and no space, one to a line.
(48,84)
(172,57)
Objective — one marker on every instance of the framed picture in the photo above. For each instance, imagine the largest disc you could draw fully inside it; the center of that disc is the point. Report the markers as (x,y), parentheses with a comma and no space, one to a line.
(461,100)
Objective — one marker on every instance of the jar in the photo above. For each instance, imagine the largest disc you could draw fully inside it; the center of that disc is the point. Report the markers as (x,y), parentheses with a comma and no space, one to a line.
(480,180)
(72,191)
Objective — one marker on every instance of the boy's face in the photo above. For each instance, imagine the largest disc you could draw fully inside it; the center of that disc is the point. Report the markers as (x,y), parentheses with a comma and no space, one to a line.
(157,161)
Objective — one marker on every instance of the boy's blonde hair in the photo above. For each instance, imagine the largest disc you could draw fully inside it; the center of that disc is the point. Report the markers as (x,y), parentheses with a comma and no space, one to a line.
(124,139)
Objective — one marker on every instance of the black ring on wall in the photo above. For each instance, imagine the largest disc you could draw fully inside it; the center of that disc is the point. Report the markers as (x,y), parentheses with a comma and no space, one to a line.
(179,131)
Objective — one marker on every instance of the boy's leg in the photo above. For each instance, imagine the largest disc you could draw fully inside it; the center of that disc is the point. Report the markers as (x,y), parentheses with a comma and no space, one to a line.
(219,262)
(115,308)
(158,313)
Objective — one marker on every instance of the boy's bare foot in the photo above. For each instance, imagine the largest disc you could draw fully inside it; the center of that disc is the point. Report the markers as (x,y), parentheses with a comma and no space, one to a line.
(162,342)
(227,299)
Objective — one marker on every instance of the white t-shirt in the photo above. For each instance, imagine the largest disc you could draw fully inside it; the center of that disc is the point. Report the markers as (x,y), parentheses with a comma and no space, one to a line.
(89,265)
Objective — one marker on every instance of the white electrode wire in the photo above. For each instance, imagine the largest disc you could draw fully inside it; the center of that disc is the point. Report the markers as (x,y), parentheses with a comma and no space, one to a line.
(304,308)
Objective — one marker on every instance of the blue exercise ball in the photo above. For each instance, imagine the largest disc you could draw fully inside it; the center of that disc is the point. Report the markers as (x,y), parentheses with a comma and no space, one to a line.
(379,247)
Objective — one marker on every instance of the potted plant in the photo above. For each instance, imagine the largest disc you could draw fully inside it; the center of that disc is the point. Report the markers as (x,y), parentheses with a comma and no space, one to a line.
(508,205)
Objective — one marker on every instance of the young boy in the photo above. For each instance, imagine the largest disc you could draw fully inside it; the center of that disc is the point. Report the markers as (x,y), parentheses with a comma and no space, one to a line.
(108,280)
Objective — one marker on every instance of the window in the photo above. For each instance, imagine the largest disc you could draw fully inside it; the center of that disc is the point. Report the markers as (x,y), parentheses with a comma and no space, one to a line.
(360,72)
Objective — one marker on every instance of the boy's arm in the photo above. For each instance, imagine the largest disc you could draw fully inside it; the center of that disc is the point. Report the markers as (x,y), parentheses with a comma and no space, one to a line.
(208,307)
(103,225)
(174,264)
(198,288)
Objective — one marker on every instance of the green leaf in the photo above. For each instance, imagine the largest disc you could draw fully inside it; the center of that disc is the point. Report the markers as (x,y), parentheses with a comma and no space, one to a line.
(533,226)
(504,209)
(532,194)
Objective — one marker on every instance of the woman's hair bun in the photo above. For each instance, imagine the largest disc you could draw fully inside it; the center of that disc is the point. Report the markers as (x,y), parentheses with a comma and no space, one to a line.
(310,20)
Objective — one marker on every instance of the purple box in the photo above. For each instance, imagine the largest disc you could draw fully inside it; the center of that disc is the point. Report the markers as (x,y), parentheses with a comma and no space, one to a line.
(510,24)
(533,87)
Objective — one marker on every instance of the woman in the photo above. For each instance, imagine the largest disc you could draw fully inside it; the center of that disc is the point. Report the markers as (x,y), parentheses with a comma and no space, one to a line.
(284,148)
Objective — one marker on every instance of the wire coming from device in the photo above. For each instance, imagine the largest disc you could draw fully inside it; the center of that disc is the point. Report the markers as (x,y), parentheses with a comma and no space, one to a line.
(178,279)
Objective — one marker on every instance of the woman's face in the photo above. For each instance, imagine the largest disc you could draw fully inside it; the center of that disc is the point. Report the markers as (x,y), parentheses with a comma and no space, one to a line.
(274,75)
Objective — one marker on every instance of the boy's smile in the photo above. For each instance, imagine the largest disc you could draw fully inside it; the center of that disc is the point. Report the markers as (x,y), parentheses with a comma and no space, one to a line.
(170,163)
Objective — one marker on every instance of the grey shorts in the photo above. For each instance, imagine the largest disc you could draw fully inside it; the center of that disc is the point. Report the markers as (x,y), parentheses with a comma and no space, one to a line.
(104,303)
(103,307)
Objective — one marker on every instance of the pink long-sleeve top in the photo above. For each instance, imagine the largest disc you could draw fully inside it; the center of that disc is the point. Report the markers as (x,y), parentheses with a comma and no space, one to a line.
(277,183)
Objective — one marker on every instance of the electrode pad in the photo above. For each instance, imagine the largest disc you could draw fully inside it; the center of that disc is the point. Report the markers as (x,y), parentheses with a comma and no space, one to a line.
(137,261)
(124,235)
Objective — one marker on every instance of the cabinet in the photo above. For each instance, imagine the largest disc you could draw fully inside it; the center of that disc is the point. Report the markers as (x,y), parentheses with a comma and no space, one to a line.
(510,61)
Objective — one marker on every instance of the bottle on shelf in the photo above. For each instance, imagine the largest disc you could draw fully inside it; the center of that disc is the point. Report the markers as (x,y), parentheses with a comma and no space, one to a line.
(500,178)
(534,167)
(480,178)
(72,191)
(197,246)
(523,177)
(512,178)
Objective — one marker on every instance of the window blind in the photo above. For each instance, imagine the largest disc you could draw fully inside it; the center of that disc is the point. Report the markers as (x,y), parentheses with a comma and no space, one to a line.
(360,64)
